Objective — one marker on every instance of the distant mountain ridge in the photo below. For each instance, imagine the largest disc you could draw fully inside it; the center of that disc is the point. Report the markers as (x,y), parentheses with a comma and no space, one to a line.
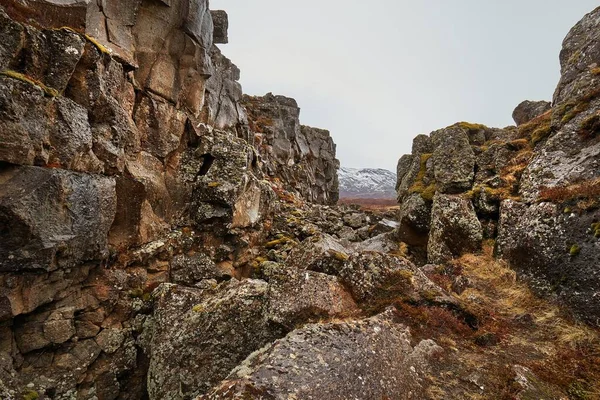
(367,183)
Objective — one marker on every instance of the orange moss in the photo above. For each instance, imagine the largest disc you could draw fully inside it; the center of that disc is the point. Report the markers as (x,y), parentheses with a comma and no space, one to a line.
(582,191)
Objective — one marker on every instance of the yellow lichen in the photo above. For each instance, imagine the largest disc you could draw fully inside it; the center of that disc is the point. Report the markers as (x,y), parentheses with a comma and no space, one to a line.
(338,255)
(27,79)
(92,40)
(198,308)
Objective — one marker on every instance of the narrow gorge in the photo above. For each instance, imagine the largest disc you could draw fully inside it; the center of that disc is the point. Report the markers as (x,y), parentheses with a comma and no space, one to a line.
(165,236)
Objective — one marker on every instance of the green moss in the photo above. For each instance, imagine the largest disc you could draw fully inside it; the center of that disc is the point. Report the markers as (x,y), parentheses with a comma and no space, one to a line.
(535,130)
(541,133)
(575,57)
(136,293)
(574,250)
(339,256)
(578,391)
(198,308)
(570,110)
(426,191)
(430,295)
(31,395)
(24,78)
(589,127)
(596,229)
(406,274)
(277,242)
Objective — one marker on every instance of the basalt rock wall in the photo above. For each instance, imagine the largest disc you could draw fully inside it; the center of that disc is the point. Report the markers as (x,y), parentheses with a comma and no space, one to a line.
(126,161)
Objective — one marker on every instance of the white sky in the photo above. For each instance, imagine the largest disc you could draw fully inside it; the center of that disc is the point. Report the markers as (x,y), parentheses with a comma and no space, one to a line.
(377,73)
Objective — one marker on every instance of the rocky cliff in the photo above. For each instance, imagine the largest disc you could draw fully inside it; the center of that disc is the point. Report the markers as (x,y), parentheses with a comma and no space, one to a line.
(164,236)
(535,189)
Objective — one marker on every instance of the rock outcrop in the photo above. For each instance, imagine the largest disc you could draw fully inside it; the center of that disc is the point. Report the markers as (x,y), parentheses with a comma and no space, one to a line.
(534,188)
(301,156)
(367,359)
(163,236)
(127,161)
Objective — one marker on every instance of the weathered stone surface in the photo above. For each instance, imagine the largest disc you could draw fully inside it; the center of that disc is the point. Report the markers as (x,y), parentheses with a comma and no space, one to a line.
(366,359)
(579,55)
(453,160)
(414,218)
(191,269)
(201,335)
(50,13)
(59,326)
(12,34)
(223,107)
(302,157)
(297,296)
(528,110)
(557,252)
(38,130)
(175,66)
(78,211)
(455,229)
(320,254)
(221,24)
(374,277)
(224,184)
(161,126)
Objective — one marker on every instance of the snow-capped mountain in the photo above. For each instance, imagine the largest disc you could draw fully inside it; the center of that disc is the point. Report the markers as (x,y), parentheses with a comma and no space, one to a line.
(368,183)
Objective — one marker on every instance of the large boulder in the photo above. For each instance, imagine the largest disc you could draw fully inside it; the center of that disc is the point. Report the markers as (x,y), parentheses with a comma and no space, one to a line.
(199,336)
(222,107)
(579,56)
(455,229)
(528,110)
(297,296)
(557,252)
(375,278)
(453,160)
(366,359)
(52,218)
(321,253)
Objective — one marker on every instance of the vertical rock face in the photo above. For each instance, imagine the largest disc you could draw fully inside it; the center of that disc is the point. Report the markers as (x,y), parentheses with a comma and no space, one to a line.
(301,156)
(126,161)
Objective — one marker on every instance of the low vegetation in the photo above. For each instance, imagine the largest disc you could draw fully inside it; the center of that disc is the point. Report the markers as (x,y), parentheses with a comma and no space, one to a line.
(426,190)
(583,195)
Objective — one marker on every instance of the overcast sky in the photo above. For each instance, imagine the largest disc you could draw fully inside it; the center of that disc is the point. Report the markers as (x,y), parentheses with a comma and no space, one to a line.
(377,73)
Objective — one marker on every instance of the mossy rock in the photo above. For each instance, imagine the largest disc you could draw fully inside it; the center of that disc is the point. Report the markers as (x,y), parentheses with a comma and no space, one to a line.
(24,78)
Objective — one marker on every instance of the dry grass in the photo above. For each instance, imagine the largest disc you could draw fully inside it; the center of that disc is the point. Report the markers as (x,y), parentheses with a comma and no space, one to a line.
(375,204)
(538,128)
(586,194)
(564,352)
